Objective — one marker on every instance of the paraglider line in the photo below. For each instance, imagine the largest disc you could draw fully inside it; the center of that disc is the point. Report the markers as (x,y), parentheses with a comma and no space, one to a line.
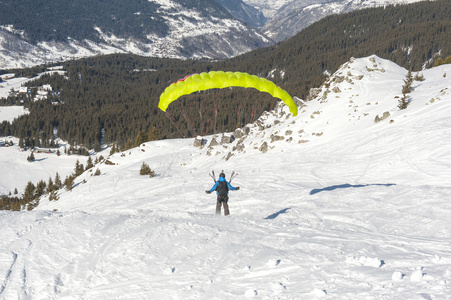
(175,123)
(190,125)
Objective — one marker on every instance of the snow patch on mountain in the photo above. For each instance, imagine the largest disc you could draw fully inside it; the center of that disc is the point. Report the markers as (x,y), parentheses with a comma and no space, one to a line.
(9,113)
(10,28)
(268,7)
(165,4)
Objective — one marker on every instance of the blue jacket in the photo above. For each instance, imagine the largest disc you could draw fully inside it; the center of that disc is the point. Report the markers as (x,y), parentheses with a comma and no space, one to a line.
(217,183)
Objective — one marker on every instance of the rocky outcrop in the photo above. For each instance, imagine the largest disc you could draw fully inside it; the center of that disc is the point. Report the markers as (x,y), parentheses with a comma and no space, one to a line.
(384,116)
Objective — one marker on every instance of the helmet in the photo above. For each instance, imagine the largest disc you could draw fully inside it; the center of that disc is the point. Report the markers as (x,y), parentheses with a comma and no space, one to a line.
(222,174)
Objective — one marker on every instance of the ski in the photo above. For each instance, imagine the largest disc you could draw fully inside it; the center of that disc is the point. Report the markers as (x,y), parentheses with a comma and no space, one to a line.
(213,176)
(233,175)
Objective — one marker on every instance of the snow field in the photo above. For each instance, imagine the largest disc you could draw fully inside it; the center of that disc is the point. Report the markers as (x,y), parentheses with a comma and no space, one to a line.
(361,211)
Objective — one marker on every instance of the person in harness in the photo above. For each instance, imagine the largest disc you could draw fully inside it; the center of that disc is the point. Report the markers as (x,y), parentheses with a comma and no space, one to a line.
(222,187)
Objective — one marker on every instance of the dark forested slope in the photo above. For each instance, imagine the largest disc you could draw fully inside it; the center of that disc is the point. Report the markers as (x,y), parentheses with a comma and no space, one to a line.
(56,20)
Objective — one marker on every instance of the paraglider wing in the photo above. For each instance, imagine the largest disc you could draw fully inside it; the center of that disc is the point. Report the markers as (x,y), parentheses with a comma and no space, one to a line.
(220,79)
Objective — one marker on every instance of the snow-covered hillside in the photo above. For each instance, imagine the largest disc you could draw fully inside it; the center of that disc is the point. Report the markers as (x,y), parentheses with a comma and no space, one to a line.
(332,205)
(9,113)
(17,171)
(244,12)
(289,17)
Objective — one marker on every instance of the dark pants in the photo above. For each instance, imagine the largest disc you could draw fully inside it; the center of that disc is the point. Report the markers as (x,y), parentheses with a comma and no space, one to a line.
(222,201)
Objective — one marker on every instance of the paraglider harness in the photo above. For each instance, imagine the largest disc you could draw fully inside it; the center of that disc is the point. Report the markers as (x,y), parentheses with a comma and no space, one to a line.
(223,189)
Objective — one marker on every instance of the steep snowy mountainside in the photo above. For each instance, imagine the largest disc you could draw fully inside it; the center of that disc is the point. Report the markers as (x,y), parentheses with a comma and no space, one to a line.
(336,206)
(296,15)
(244,12)
(268,7)
(172,28)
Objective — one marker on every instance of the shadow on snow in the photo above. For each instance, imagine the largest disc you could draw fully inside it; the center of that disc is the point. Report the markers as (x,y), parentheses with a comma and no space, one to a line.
(346,186)
(275,215)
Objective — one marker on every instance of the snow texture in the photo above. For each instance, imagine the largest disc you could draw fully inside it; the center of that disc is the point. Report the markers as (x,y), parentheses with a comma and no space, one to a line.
(341,207)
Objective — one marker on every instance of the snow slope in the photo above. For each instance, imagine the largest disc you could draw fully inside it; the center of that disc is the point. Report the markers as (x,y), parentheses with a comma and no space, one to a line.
(9,113)
(339,207)
(16,170)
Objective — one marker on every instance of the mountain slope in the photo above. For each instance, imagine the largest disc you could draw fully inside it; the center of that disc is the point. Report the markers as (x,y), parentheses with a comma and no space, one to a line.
(292,17)
(341,207)
(268,7)
(35,32)
(113,84)
(244,12)
(411,35)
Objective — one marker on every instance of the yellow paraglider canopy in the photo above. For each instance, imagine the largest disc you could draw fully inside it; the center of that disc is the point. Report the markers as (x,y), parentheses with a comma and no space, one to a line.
(220,79)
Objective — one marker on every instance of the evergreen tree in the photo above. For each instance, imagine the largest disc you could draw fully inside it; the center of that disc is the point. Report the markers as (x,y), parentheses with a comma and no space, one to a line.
(97,147)
(128,145)
(89,164)
(58,182)
(438,62)
(31,157)
(97,173)
(69,182)
(29,193)
(79,169)
(53,196)
(112,150)
(407,87)
(153,135)
(140,138)
(145,170)
(40,188)
(419,77)
(50,186)
(4,201)
(404,101)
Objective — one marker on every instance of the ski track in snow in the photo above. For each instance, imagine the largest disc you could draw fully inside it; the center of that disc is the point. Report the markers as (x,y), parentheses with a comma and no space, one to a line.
(361,212)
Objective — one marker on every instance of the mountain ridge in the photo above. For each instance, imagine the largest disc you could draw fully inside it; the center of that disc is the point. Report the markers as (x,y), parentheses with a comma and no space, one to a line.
(175,28)
(59,30)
